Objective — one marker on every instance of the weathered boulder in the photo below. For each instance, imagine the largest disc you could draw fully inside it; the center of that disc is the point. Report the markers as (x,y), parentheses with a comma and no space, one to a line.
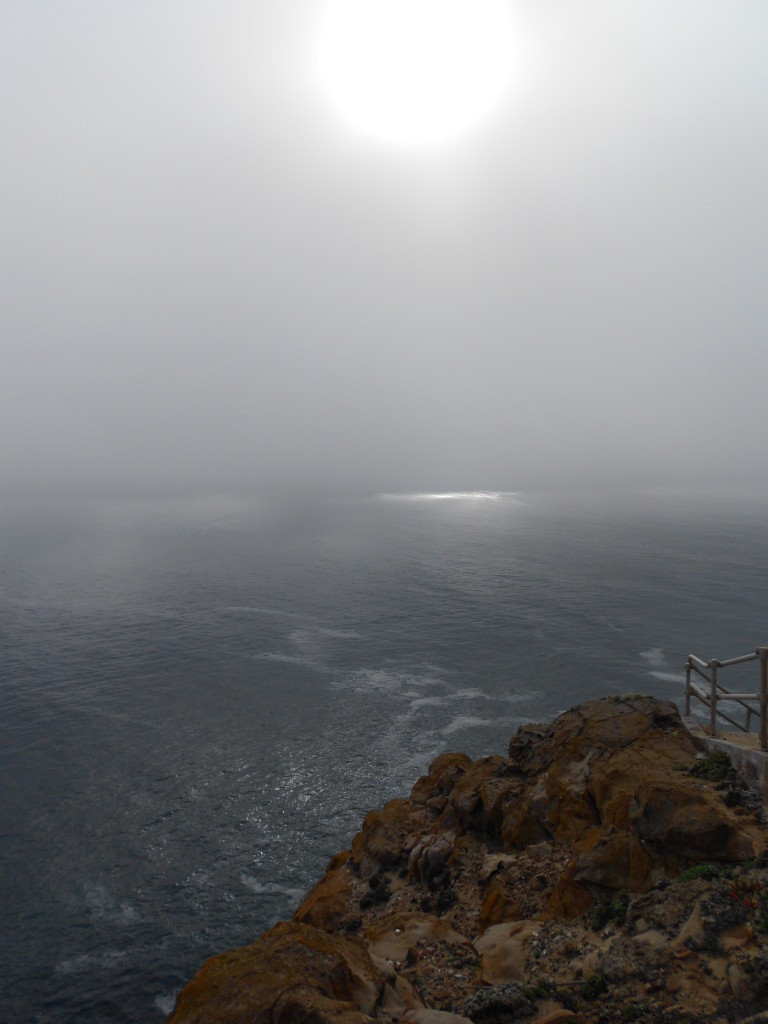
(429,856)
(326,905)
(378,845)
(391,938)
(612,764)
(442,774)
(614,859)
(502,948)
(293,973)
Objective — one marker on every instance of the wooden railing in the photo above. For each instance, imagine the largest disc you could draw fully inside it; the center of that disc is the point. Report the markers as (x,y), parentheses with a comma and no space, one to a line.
(754,704)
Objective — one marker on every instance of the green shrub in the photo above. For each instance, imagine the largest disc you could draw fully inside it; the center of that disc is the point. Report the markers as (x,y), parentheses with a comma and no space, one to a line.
(541,990)
(700,871)
(616,910)
(716,768)
(567,999)
(593,987)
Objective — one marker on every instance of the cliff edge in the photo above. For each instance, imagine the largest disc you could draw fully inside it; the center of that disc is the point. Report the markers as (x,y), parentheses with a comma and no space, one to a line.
(602,871)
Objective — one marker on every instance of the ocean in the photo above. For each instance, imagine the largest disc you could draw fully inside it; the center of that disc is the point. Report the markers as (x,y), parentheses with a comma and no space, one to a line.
(202,696)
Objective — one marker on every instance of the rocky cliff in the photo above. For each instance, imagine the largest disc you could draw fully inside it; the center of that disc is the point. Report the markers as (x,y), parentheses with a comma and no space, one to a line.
(602,871)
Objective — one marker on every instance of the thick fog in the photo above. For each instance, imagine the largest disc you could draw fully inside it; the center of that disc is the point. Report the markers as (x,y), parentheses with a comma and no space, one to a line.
(209,277)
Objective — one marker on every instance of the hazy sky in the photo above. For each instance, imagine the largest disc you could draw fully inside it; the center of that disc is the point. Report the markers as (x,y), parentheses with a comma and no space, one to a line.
(209,276)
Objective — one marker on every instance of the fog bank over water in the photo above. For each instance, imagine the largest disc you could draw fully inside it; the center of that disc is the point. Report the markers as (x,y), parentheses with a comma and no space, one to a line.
(209,278)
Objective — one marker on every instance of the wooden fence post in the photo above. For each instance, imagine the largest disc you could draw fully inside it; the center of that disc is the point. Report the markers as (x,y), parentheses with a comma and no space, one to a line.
(688,688)
(763,697)
(713,700)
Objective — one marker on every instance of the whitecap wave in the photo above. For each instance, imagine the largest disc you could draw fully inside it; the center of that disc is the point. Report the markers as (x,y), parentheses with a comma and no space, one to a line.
(310,646)
(246,609)
(669,677)
(270,888)
(108,960)
(658,666)
(283,659)
(101,904)
(654,657)
(166,1002)
(310,635)
(533,696)
(467,722)
(430,702)
(390,680)
(470,695)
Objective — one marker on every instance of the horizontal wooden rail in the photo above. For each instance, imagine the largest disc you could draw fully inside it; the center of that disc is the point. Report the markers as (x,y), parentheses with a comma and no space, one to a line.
(738,661)
(754,704)
(694,661)
(738,696)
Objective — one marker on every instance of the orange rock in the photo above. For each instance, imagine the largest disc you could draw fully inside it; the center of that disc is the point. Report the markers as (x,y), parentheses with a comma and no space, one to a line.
(614,859)
(443,772)
(611,762)
(292,973)
(378,845)
(497,906)
(502,949)
(522,825)
(326,905)
(465,793)
(601,726)
(570,898)
(692,823)
(428,858)
(493,862)
(554,1016)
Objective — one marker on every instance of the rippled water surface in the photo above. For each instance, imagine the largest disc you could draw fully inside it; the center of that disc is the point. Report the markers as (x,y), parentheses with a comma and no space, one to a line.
(202,697)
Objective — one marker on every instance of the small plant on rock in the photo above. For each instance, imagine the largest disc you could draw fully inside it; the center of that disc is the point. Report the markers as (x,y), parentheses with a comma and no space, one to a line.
(707,871)
(567,999)
(635,1012)
(593,987)
(541,990)
(500,1002)
(616,911)
(717,768)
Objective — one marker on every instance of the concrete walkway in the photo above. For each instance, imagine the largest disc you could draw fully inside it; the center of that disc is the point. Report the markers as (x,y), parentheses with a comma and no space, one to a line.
(743,748)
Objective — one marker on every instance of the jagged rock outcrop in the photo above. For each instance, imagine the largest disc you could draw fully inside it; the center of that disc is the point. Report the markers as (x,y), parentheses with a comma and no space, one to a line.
(293,972)
(592,874)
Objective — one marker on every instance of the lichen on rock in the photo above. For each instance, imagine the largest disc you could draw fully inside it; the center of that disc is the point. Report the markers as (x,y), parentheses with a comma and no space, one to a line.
(584,875)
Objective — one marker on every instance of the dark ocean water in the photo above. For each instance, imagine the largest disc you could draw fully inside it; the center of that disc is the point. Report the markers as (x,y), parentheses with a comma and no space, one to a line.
(202,697)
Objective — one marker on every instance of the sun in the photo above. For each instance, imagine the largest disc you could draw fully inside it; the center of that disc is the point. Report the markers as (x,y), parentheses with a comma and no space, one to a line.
(415,71)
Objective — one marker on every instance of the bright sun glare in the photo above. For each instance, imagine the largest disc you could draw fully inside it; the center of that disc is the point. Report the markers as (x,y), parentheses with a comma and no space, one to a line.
(415,71)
